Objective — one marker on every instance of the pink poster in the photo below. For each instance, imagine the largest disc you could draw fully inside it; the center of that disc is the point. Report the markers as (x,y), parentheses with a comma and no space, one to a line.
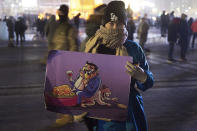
(83,82)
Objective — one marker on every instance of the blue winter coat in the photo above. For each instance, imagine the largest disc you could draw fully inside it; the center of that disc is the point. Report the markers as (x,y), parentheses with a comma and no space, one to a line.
(136,120)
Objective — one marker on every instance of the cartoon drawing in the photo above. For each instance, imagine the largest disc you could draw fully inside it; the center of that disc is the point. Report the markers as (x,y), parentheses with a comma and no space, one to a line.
(63,91)
(87,83)
(86,90)
(100,97)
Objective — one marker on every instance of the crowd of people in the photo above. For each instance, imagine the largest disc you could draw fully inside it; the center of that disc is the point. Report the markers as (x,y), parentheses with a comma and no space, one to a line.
(179,30)
(13,28)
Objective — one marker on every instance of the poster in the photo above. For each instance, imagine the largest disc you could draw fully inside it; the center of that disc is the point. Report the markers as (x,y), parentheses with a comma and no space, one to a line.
(83,82)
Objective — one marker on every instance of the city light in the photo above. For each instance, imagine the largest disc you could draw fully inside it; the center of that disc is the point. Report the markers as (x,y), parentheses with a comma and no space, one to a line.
(154,10)
(85,7)
(148,4)
(154,18)
(140,5)
(29,3)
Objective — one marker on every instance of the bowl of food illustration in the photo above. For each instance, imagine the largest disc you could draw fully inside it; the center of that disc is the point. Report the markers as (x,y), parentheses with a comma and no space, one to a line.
(61,96)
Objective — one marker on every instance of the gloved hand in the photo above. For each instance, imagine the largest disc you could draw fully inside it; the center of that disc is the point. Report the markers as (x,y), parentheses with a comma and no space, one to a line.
(136,72)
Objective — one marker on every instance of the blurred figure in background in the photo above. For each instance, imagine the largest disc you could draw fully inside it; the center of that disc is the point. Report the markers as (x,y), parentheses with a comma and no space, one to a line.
(142,33)
(130,24)
(194,30)
(171,16)
(93,24)
(164,24)
(25,26)
(173,32)
(5,18)
(61,34)
(77,20)
(10,24)
(190,21)
(183,40)
(40,25)
(3,30)
(20,28)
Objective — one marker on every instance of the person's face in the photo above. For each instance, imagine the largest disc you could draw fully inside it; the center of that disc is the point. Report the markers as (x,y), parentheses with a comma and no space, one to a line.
(114,25)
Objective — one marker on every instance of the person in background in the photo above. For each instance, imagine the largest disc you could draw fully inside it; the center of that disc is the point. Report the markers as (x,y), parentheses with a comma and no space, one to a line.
(20,28)
(40,25)
(190,21)
(183,40)
(5,19)
(194,30)
(171,16)
(111,38)
(173,33)
(3,31)
(93,24)
(142,33)
(130,25)
(164,24)
(24,28)
(77,20)
(10,24)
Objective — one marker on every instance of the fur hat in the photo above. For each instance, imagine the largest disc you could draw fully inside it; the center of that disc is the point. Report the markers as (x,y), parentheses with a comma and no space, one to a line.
(115,11)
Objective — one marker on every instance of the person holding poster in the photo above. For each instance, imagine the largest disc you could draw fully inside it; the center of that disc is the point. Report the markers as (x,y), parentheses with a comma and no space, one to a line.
(111,39)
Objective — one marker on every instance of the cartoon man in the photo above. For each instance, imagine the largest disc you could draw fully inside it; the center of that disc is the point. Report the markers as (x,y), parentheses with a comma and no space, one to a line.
(87,83)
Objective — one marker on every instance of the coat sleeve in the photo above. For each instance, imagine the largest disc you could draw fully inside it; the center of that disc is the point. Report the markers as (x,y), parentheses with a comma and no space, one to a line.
(138,55)
(144,65)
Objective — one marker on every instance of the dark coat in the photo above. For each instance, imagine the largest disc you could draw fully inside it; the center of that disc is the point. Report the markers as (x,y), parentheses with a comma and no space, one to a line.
(184,32)
(131,29)
(173,30)
(20,27)
(164,20)
(136,116)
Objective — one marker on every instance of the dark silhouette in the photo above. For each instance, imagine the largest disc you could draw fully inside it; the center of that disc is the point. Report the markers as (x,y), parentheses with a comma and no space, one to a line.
(77,20)
(164,24)
(20,28)
(130,25)
(10,24)
(190,21)
(173,31)
(184,33)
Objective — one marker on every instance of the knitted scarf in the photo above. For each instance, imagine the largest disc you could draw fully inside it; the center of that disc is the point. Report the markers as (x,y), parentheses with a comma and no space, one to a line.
(111,38)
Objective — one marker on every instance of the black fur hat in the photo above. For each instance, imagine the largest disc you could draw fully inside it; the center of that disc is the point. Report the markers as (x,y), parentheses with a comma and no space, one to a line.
(115,11)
